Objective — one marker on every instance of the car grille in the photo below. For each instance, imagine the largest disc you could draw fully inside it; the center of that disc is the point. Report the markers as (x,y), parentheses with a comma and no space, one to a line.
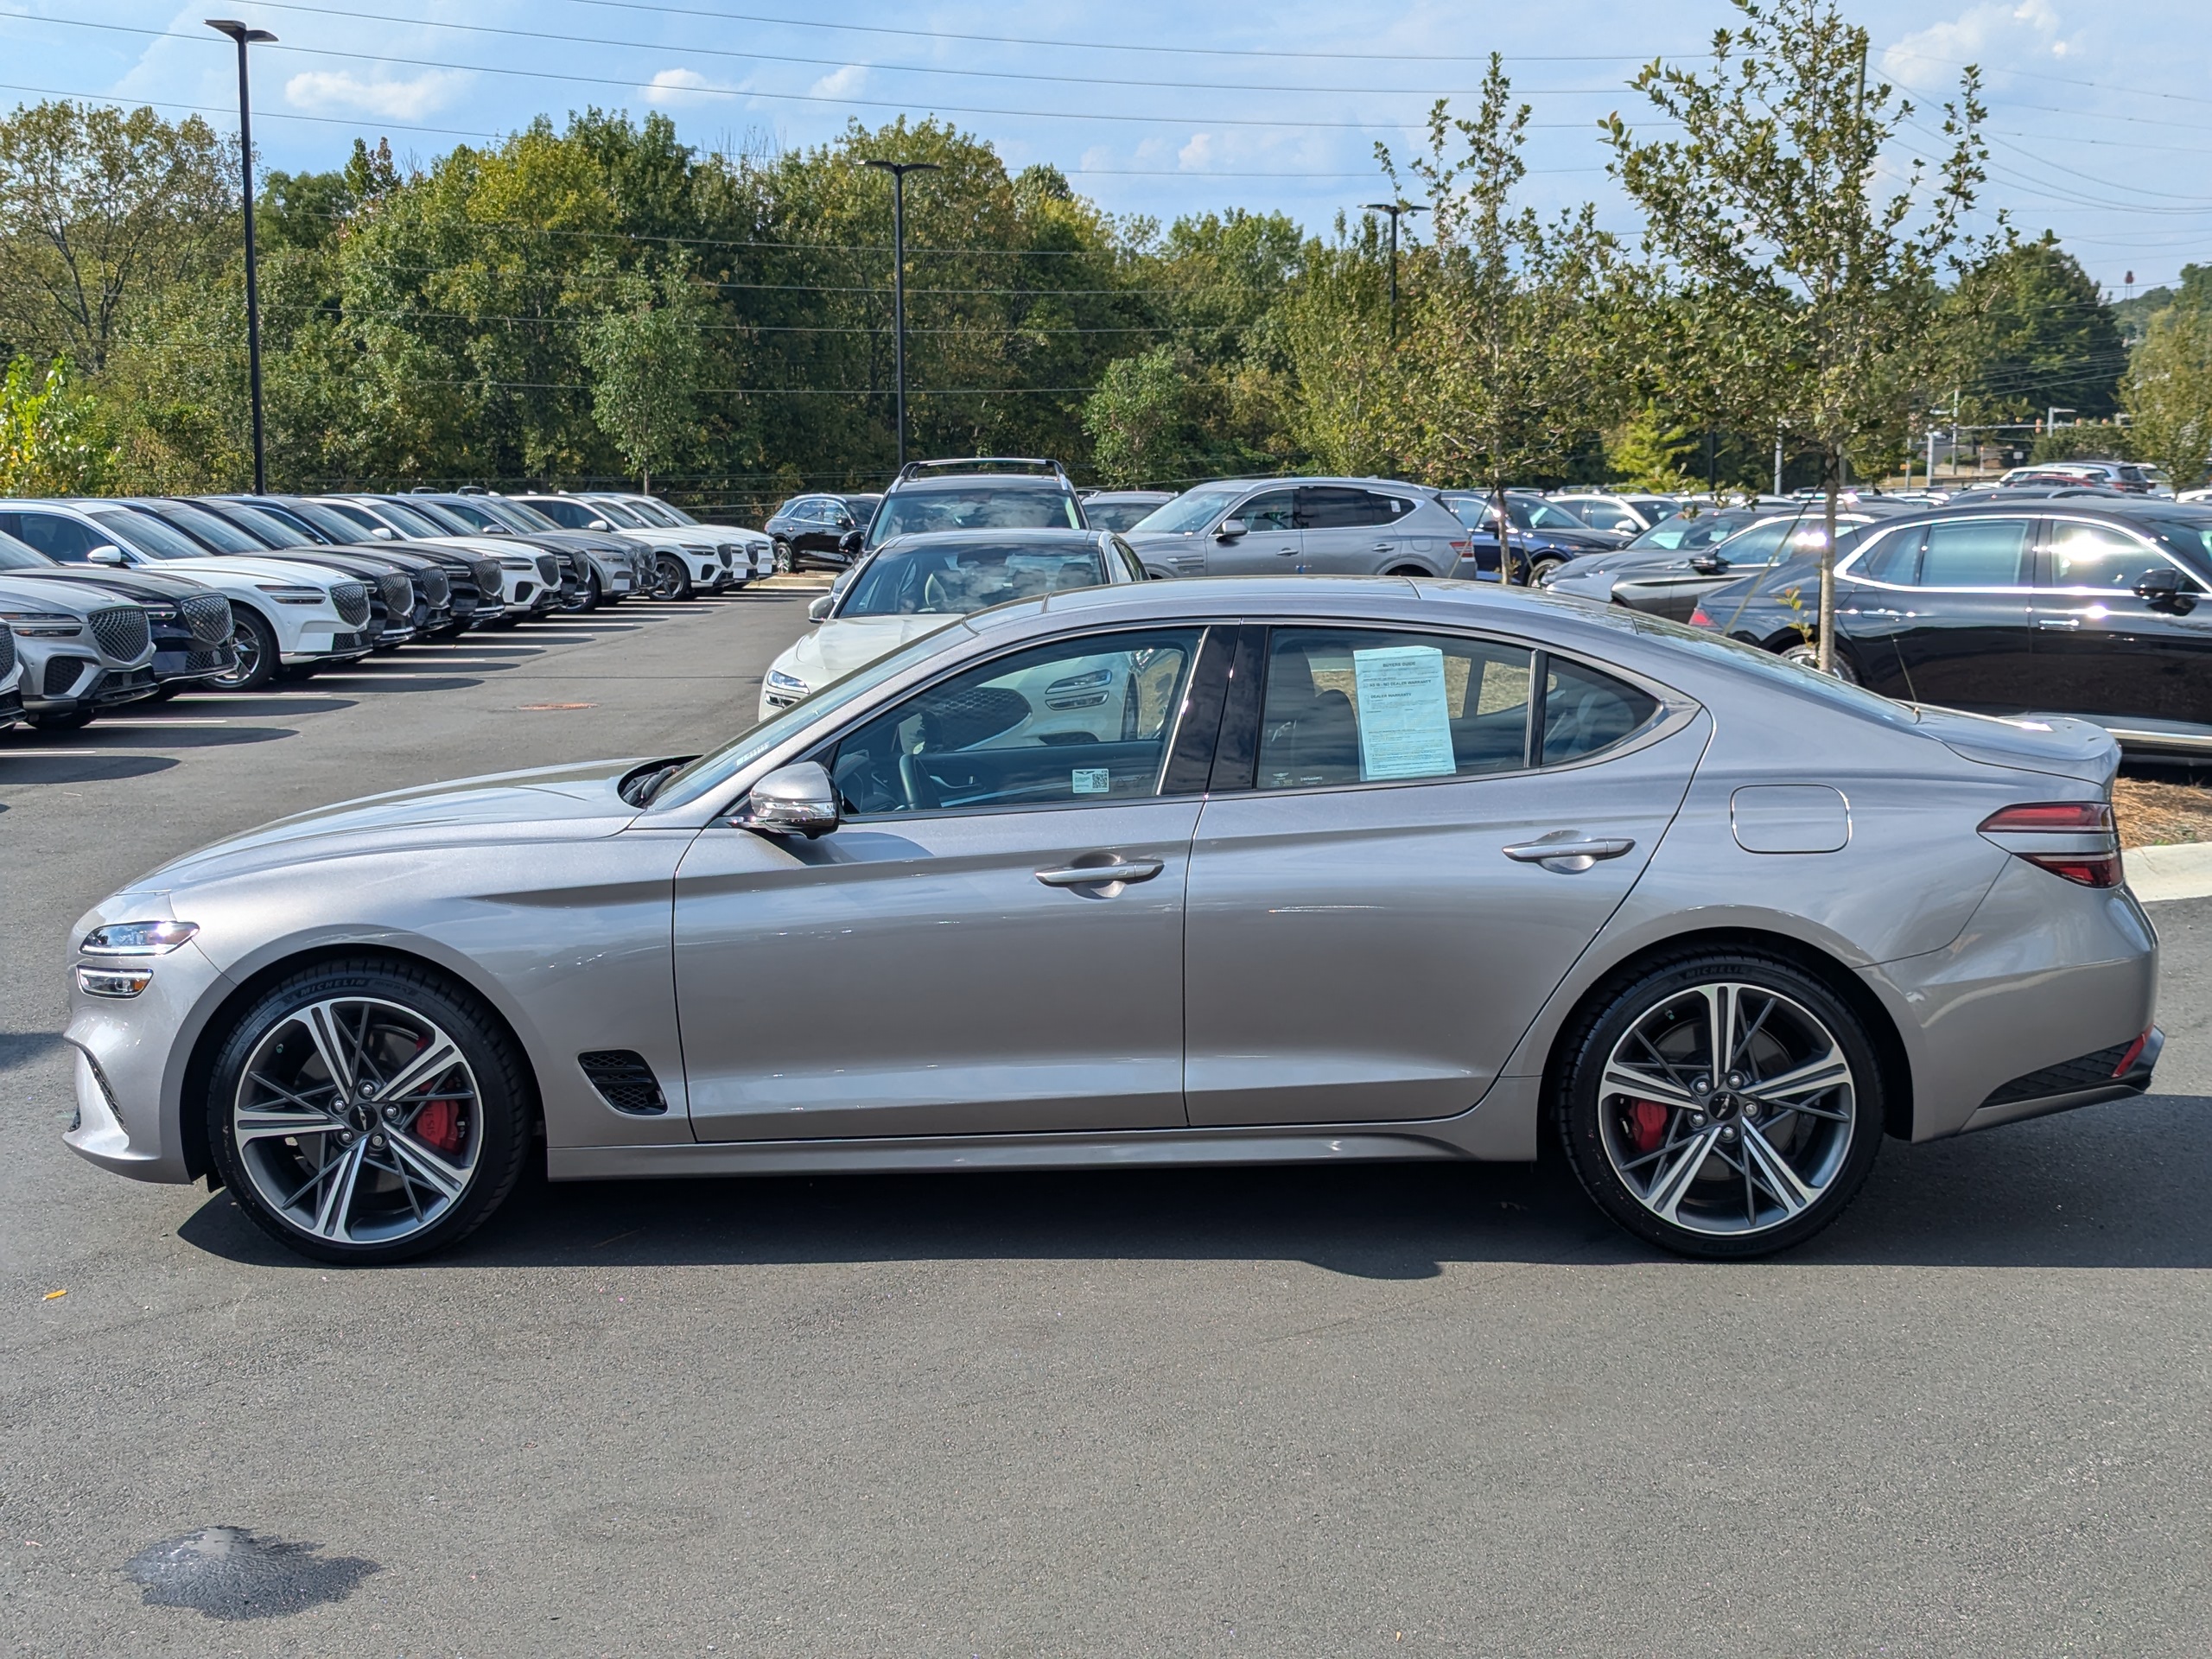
(488,582)
(208,616)
(7,652)
(204,662)
(549,568)
(437,587)
(399,595)
(352,599)
(728,553)
(121,631)
(61,673)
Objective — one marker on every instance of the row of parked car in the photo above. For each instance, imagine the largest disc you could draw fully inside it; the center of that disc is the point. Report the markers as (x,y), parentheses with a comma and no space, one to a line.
(110,600)
(2062,596)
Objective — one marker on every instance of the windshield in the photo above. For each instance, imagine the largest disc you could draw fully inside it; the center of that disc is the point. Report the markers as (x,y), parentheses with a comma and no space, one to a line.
(659,513)
(18,555)
(1188,513)
(196,521)
(520,515)
(620,514)
(974,506)
(569,515)
(1689,533)
(449,522)
(406,520)
(274,528)
(324,520)
(474,516)
(709,771)
(1116,515)
(955,578)
(145,534)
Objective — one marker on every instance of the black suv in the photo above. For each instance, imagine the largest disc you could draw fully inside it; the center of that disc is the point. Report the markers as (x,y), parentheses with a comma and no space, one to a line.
(981,492)
(812,529)
(2063,606)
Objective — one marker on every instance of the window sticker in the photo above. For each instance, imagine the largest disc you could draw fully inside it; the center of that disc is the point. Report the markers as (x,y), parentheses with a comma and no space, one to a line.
(1405,726)
(1090,780)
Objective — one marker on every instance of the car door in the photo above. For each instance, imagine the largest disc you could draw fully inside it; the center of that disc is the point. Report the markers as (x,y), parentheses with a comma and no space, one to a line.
(1371,927)
(1349,532)
(2099,649)
(1272,543)
(1962,639)
(992,942)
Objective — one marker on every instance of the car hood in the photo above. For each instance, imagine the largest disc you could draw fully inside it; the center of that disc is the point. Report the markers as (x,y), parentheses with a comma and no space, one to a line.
(132,582)
(838,646)
(274,568)
(546,803)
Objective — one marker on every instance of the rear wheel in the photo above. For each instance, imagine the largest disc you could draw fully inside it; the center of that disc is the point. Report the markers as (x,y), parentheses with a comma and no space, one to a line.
(365,1112)
(785,565)
(1806,654)
(1721,1104)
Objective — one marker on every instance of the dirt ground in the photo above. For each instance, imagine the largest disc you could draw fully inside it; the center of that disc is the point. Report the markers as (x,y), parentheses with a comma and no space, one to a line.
(2156,809)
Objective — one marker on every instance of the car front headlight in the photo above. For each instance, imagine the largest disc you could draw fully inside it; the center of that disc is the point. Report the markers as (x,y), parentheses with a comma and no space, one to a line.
(288,596)
(42,625)
(136,939)
(789,684)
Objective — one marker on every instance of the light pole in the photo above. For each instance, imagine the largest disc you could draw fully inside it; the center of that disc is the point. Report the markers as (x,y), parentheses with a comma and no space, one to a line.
(898,170)
(246,37)
(1395,208)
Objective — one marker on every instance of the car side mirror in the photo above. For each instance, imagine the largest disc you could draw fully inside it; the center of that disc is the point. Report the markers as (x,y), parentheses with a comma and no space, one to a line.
(1708,564)
(108,553)
(598,523)
(2160,589)
(844,521)
(849,544)
(1232,530)
(817,608)
(794,800)
(381,534)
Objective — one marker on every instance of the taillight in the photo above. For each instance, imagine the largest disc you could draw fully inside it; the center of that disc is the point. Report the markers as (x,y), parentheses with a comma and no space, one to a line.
(1699,619)
(2075,840)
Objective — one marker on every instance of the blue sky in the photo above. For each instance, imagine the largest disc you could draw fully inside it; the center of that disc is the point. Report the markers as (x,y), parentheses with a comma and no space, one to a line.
(2101,119)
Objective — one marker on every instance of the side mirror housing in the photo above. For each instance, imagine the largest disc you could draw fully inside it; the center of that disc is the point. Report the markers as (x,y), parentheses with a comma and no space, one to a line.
(844,521)
(849,544)
(381,534)
(598,523)
(817,608)
(2160,588)
(1708,564)
(794,800)
(107,554)
(1232,530)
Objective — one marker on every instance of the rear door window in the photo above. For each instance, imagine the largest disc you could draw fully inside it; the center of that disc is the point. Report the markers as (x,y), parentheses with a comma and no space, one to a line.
(1353,706)
(1974,553)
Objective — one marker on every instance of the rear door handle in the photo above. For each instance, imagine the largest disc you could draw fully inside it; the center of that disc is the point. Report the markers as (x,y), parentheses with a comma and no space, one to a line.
(2057,624)
(1097,875)
(1569,856)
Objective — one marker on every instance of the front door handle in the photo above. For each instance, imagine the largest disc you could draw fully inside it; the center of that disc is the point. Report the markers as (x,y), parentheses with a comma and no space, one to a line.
(1095,875)
(2058,624)
(1569,855)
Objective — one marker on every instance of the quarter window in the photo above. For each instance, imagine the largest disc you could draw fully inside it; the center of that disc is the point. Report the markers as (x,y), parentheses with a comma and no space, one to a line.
(1973,553)
(1079,721)
(1585,711)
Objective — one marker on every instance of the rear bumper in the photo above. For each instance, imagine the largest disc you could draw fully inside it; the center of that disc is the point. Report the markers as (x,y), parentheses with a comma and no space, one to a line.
(2088,1081)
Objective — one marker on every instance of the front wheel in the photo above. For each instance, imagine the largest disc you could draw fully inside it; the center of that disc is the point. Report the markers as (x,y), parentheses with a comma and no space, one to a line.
(258,657)
(1807,655)
(1542,571)
(594,593)
(365,1112)
(671,580)
(1721,1104)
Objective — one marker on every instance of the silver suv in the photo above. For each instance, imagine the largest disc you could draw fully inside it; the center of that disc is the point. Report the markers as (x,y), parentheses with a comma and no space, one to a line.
(981,492)
(1318,526)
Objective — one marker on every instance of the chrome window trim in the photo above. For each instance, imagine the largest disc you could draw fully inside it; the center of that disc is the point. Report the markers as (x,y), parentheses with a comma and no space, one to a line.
(2141,540)
(1848,564)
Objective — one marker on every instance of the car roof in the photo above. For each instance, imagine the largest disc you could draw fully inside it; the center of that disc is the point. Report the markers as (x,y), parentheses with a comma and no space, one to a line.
(930,482)
(1042,536)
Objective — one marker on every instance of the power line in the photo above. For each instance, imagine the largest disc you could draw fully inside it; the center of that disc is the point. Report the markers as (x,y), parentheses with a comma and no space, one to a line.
(646,92)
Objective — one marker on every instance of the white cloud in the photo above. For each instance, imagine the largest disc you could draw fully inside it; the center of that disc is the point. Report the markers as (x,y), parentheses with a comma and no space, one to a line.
(841,83)
(1991,33)
(324,89)
(676,88)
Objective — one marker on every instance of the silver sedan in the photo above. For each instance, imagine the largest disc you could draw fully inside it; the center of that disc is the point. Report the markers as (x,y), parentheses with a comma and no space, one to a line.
(1210,872)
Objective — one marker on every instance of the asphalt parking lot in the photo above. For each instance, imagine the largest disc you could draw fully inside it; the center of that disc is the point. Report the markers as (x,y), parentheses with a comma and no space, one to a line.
(1391,1410)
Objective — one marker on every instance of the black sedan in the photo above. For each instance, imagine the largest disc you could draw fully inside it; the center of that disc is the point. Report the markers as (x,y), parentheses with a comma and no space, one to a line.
(810,529)
(1670,581)
(2063,607)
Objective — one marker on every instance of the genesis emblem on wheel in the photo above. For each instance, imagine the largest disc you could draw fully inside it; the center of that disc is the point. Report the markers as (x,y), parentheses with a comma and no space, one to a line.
(1722,1106)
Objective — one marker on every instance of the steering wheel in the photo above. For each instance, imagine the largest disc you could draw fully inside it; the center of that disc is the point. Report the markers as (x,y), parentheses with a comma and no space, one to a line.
(914,780)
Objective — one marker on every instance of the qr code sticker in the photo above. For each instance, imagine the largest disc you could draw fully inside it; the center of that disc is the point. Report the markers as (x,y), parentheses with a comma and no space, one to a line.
(1090,780)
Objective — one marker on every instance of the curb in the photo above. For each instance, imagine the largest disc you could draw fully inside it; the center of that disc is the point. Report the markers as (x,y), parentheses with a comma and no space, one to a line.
(798,583)
(2159,875)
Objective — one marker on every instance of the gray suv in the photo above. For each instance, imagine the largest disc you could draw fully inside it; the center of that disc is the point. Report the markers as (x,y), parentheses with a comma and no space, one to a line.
(1317,526)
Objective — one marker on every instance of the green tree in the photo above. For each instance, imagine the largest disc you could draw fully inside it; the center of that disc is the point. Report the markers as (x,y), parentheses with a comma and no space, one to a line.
(1136,418)
(2037,333)
(101,210)
(1648,451)
(50,442)
(1796,297)
(2085,440)
(2168,392)
(643,354)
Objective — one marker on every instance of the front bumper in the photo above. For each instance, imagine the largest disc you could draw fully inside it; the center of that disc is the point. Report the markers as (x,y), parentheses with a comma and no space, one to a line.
(205,663)
(102,689)
(343,647)
(131,1054)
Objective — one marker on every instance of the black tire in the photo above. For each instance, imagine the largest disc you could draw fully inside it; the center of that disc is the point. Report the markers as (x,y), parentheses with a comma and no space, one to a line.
(497,1125)
(1827,1141)
(1405,570)
(73,720)
(594,593)
(1806,654)
(786,561)
(1541,571)
(675,577)
(259,655)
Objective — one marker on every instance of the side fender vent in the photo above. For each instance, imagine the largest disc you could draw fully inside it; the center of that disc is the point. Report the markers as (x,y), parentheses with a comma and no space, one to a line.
(624,1081)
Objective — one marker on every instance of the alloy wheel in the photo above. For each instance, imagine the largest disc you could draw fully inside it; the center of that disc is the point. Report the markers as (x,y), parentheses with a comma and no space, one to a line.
(1808,656)
(358,1121)
(1727,1109)
(245,640)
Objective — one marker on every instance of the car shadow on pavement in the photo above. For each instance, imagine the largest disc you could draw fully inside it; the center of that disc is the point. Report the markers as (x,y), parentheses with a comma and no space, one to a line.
(364,681)
(2113,1186)
(137,735)
(30,769)
(243,706)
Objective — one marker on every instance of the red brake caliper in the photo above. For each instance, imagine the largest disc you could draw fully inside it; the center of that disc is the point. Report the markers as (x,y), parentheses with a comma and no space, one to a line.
(1646,1122)
(438,1123)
